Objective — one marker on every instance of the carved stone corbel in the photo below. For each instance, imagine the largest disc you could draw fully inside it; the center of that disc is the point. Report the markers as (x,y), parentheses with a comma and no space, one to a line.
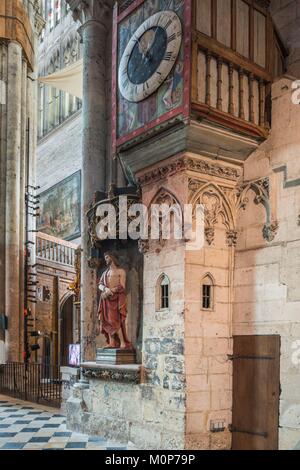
(270,231)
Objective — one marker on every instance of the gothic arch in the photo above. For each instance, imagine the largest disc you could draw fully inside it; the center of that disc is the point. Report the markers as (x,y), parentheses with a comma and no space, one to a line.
(162,197)
(162,292)
(208,291)
(64,299)
(216,204)
(261,190)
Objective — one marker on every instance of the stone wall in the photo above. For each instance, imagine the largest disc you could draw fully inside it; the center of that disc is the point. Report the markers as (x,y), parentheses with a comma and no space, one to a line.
(59,153)
(152,414)
(286,16)
(267,292)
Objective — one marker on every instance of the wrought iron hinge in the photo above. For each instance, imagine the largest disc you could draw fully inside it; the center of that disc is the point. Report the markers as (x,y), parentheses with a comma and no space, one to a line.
(233,429)
(232,357)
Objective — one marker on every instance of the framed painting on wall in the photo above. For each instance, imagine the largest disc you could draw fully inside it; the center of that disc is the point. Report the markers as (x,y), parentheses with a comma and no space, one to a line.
(60,209)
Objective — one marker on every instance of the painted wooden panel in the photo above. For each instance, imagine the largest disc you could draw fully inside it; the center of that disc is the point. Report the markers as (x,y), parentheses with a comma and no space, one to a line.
(259,38)
(203,19)
(201,77)
(242,30)
(224,22)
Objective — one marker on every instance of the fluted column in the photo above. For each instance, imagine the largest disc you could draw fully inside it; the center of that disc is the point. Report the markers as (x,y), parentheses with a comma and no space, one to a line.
(96,22)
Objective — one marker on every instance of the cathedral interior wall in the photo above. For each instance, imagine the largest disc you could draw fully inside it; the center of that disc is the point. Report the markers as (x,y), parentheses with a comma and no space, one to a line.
(266,278)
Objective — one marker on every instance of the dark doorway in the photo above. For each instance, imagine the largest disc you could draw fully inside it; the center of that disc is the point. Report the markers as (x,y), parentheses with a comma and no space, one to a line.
(256,390)
(66,330)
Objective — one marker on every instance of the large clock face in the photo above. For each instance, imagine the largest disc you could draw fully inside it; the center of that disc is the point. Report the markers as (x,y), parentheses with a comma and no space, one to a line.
(150,56)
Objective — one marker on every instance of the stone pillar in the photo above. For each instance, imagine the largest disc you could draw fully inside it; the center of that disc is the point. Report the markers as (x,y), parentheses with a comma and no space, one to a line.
(3,111)
(96,22)
(22,195)
(12,218)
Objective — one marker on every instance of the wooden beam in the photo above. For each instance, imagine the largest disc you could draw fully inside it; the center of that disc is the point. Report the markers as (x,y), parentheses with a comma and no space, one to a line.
(201,110)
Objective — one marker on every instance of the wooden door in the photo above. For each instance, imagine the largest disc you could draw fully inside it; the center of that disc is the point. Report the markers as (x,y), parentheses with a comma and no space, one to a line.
(256,390)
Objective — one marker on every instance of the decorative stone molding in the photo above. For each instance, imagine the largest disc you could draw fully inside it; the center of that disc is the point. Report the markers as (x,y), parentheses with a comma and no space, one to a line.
(261,188)
(270,231)
(39,23)
(93,220)
(227,202)
(231,238)
(91,10)
(287,183)
(190,164)
(162,198)
(143,246)
(216,204)
(127,375)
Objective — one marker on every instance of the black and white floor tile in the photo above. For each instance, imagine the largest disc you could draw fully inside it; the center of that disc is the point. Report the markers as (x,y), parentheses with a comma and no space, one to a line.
(26,426)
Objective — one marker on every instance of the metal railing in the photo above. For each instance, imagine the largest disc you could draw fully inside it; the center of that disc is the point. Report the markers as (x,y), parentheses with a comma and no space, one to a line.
(54,249)
(38,383)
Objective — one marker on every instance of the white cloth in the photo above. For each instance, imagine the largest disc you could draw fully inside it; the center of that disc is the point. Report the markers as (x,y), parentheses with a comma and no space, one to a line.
(68,79)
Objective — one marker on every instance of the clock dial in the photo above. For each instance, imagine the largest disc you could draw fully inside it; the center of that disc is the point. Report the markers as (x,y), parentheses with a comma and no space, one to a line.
(150,56)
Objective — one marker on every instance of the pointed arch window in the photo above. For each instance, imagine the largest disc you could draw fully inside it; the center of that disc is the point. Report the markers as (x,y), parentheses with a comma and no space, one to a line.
(163,293)
(207,293)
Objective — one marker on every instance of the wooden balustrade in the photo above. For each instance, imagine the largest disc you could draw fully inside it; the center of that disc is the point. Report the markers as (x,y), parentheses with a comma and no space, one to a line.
(231,94)
(54,249)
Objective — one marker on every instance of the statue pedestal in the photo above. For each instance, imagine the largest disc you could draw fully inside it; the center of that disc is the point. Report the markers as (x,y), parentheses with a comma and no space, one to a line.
(115,356)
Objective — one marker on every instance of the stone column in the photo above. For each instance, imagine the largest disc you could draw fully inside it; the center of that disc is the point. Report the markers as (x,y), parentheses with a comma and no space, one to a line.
(22,195)
(3,127)
(96,22)
(12,218)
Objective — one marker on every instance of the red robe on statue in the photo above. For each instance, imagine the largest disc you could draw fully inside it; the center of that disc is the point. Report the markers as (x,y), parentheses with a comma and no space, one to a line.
(112,310)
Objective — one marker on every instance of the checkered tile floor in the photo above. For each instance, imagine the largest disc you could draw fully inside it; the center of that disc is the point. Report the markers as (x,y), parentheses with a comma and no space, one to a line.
(29,426)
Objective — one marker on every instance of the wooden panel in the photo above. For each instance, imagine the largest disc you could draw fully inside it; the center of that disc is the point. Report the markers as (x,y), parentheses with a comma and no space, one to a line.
(246,97)
(203,17)
(256,102)
(225,87)
(236,93)
(201,77)
(224,22)
(259,38)
(213,82)
(242,30)
(256,385)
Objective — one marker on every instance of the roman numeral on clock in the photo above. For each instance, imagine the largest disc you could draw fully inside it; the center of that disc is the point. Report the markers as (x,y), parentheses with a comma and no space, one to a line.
(171,38)
(125,83)
(168,23)
(169,56)
(145,86)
